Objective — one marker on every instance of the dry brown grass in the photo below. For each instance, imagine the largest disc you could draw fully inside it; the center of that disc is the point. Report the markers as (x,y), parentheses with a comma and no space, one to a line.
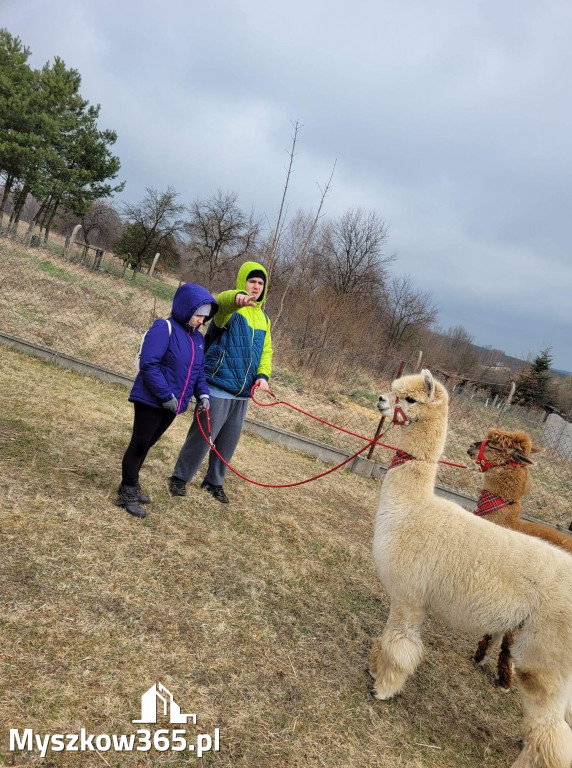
(257,615)
(62,304)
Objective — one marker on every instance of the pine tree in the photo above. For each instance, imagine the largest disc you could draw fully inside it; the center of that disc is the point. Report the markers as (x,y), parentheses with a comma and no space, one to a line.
(17,86)
(50,144)
(533,383)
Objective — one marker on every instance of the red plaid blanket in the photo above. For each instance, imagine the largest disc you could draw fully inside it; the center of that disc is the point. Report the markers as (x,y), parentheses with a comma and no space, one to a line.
(400,457)
(488,503)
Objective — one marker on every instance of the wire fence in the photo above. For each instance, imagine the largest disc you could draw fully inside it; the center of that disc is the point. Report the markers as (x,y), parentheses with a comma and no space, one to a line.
(87,305)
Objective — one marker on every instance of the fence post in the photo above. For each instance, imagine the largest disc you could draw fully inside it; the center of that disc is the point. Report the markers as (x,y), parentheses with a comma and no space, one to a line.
(508,400)
(156,257)
(70,239)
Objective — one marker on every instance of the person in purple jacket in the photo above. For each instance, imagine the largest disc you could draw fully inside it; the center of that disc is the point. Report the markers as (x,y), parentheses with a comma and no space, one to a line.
(171,371)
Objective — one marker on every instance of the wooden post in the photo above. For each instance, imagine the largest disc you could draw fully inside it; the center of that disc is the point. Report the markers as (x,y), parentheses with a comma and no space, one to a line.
(98,259)
(153,264)
(70,240)
(508,401)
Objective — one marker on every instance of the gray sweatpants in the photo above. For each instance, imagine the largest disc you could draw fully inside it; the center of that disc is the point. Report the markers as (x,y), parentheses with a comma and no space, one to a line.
(227,417)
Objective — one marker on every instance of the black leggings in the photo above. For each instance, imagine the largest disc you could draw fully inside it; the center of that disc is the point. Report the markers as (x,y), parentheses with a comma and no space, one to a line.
(148,425)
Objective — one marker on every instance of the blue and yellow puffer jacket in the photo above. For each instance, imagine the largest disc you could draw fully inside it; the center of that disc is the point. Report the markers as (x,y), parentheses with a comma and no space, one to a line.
(239,345)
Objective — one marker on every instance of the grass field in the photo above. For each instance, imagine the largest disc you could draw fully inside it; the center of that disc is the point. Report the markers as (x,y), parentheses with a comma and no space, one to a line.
(258,615)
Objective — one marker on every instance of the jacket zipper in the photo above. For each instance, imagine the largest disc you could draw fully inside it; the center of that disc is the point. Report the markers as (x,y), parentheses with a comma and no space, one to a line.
(249,362)
(188,375)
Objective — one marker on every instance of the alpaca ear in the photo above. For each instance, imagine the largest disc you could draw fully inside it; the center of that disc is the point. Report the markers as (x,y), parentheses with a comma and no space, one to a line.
(428,383)
(520,456)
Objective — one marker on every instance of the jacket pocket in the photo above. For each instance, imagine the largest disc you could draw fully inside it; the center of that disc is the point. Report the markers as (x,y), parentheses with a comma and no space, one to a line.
(219,364)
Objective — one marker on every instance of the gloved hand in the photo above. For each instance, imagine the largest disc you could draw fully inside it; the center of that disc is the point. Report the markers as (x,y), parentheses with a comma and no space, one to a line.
(172,404)
(204,404)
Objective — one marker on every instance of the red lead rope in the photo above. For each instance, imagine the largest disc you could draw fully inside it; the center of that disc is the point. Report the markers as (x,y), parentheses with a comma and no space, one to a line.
(369,443)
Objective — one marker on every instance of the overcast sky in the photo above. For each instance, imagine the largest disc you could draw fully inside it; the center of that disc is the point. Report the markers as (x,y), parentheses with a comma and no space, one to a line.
(451,119)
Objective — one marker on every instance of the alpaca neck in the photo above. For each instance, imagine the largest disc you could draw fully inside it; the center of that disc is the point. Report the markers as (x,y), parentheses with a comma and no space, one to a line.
(510,483)
(425,440)
(413,479)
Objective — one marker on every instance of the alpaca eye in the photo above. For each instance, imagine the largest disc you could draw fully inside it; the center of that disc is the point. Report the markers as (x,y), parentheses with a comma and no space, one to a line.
(410,400)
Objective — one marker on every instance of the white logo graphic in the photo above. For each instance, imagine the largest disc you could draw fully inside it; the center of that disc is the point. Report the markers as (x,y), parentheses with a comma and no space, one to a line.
(149,706)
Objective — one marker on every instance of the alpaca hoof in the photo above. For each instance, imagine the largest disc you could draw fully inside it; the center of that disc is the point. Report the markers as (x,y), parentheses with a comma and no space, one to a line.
(504,690)
(381,696)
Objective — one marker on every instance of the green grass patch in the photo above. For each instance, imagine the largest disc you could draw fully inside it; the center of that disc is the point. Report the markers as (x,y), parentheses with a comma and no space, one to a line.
(364,397)
(57,272)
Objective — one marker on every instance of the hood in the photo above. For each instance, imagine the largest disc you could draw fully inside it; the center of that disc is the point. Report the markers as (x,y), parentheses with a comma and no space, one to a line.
(243,272)
(189,297)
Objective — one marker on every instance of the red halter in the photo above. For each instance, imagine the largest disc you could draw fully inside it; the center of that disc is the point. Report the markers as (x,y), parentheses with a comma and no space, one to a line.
(485,464)
(399,416)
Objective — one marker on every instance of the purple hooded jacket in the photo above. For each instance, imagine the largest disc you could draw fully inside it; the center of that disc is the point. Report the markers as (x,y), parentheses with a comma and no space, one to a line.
(174,364)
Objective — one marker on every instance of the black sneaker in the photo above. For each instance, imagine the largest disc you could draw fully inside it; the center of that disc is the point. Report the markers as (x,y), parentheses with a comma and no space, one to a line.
(177,487)
(128,498)
(216,491)
(142,497)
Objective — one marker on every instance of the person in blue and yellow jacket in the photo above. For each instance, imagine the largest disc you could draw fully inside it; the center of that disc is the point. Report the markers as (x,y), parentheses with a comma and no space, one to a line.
(238,357)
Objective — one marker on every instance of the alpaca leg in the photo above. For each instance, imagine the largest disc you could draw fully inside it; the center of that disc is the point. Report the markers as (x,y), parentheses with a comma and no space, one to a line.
(482,648)
(398,651)
(547,735)
(505,665)
(486,646)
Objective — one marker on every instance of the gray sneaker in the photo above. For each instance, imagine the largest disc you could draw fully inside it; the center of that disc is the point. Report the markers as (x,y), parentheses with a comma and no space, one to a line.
(128,498)
(177,487)
(142,497)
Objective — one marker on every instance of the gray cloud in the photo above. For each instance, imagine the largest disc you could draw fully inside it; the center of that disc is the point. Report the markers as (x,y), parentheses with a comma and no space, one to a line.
(451,119)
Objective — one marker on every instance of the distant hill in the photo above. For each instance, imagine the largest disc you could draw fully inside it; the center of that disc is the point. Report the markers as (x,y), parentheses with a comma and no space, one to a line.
(494,357)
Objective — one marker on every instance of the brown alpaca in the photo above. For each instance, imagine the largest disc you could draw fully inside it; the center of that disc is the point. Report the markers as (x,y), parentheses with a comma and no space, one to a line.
(504,460)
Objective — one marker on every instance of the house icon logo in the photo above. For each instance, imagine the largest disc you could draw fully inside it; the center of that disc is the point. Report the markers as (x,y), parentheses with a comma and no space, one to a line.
(165,697)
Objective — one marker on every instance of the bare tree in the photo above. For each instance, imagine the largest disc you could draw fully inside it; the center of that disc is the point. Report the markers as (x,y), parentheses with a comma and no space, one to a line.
(151,224)
(102,224)
(305,246)
(271,257)
(219,234)
(405,312)
(460,353)
(353,249)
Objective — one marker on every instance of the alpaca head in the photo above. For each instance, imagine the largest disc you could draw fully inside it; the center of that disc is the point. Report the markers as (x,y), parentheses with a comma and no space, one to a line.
(503,447)
(417,395)
(506,456)
(423,402)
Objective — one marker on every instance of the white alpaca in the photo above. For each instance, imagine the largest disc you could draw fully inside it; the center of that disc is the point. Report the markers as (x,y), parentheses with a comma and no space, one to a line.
(431,554)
